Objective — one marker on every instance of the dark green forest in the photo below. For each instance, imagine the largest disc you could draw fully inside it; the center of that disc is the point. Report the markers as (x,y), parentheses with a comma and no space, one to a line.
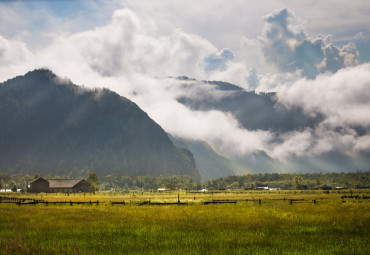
(353,180)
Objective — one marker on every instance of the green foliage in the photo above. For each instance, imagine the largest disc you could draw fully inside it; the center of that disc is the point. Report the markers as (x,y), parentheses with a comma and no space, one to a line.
(121,182)
(94,182)
(293,181)
(250,181)
(93,179)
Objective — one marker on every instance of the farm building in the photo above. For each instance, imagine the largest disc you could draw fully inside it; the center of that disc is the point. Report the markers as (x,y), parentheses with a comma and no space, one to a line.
(58,185)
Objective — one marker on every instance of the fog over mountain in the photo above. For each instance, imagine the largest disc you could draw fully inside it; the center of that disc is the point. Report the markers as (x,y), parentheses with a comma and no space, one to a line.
(299,138)
(268,85)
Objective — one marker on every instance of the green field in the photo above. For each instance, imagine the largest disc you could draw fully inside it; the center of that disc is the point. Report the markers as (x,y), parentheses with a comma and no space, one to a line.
(330,226)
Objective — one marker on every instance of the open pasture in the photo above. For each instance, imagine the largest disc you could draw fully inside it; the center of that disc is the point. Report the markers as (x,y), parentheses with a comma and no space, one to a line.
(332,225)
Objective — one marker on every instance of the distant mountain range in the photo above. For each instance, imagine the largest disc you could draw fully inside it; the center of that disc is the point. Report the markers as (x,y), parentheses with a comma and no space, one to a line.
(53,126)
(263,111)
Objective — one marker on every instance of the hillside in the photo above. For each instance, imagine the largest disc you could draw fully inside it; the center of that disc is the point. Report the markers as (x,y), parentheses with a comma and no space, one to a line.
(209,163)
(53,126)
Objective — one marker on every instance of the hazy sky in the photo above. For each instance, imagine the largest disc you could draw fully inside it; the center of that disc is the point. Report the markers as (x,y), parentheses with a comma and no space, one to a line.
(314,54)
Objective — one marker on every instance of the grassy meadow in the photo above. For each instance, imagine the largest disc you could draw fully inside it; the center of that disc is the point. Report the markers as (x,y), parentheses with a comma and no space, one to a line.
(329,226)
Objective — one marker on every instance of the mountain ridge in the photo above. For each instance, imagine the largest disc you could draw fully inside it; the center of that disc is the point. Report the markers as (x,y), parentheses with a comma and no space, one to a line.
(52,125)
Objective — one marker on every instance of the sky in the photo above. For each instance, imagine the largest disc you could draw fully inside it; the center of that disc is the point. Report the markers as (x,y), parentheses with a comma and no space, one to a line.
(314,54)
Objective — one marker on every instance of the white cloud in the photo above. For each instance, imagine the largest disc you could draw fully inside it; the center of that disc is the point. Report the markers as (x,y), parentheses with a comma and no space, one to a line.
(341,18)
(126,47)
(292,144)
(363,144)
(285,45)
(14,57)
(343,97)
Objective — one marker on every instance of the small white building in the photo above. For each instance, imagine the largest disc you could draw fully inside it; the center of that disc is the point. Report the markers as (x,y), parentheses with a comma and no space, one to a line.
(274,188)
(163,189)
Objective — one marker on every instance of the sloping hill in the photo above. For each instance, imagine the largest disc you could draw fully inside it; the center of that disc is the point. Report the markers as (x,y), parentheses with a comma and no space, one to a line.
(54,126)
(209,163)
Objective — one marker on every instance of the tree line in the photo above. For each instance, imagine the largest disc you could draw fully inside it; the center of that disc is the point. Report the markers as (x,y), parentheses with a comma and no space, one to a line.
(293,181)
(285,181)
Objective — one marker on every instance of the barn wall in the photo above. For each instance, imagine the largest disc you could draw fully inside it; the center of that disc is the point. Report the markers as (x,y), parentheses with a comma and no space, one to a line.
(39,186)
(82,186)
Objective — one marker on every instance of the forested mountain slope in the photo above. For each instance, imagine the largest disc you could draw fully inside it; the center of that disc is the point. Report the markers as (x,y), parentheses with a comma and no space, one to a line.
(53,126)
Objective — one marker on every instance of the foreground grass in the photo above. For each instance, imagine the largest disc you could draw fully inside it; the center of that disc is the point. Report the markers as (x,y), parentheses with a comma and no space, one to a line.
(332,227)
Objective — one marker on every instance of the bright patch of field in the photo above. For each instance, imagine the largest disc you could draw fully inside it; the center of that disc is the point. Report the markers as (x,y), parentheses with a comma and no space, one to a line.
(330,226)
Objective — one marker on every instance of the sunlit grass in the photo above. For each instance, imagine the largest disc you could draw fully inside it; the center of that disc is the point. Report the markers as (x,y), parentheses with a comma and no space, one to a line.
(274,227)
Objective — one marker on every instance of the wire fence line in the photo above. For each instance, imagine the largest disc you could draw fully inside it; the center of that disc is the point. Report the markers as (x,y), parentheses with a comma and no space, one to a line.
(30,201)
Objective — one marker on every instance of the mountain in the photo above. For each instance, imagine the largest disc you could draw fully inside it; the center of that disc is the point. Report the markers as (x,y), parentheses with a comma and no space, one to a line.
(253,111)
(209,163)
(49,125)
(263,111)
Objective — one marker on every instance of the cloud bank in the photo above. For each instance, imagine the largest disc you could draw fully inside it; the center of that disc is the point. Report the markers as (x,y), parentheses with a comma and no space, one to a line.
(128,56)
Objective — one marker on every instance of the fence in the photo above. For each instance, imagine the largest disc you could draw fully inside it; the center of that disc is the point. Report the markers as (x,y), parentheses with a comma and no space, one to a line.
(30,201)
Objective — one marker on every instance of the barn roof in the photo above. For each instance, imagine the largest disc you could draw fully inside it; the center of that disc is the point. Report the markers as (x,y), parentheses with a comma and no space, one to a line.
(39,179)
(63,183)
(58,183)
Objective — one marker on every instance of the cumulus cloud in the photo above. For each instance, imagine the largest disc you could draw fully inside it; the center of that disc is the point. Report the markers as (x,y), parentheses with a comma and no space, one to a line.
(127,47)
(286,46)
(343,99)
(14,56)
(235,73)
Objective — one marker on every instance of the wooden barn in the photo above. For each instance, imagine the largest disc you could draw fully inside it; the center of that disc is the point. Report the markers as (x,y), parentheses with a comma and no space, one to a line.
(58,185)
